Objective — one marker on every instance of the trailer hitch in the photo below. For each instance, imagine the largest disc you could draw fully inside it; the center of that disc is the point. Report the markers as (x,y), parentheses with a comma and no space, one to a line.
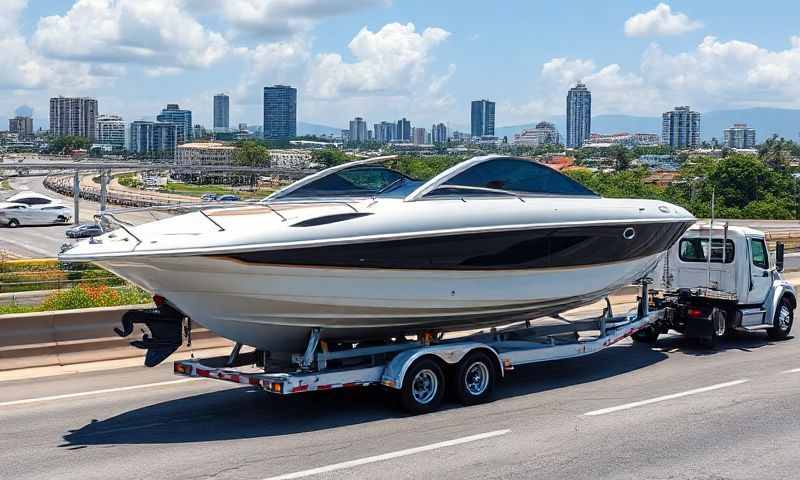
(165,324)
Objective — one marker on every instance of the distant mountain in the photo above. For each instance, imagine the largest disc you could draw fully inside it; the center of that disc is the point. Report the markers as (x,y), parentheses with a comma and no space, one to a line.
(767,121)
(304,128)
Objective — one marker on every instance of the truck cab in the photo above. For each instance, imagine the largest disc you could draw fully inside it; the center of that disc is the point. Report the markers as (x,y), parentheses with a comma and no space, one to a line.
(716,279)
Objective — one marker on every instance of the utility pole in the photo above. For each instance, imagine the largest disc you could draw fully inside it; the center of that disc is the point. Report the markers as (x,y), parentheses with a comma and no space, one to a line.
(104,174)
(76,196)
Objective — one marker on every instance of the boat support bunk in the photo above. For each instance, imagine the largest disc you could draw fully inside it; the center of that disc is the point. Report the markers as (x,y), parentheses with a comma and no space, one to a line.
(419,370)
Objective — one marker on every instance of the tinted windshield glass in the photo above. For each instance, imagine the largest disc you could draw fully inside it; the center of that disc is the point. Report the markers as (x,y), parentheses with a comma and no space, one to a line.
(696,250)
(515,175)
(352,182)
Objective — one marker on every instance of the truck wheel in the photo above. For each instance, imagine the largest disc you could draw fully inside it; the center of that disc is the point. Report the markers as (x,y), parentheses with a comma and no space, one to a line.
(423,387)
(475,378)
(782,323)
(13,223)
(647,335)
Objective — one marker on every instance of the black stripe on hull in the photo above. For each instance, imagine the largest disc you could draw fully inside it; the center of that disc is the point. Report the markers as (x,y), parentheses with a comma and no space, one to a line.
(558,247)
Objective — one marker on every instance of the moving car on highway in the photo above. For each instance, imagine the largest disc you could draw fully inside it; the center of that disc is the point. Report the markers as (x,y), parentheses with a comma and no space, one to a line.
(15,214)
(228,198)
(85,230)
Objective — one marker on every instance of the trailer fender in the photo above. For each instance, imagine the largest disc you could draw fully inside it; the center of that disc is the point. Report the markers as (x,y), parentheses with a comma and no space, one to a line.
(780,289)
(451,354)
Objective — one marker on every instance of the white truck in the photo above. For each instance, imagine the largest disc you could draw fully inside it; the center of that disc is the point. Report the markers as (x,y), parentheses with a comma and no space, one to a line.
(733,285)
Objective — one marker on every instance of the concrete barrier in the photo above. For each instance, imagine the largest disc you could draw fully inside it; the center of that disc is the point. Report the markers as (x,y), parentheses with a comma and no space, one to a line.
(70,337)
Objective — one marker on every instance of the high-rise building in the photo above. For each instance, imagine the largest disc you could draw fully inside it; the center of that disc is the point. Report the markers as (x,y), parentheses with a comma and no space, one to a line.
(419,136)
(111,131)
(579,115)
(439,133)
(740,136)
(680,128)
(482,118)
(545,133)
(384,131)
(76,116)
(280,112)
(182,120)
(153,139)
(358,130)
(403,131)
(221,112)
(22,126)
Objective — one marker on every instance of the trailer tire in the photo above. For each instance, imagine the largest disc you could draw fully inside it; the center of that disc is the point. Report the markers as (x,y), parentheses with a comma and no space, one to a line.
(475,377)
(647,335)
(423,387)
(784,318)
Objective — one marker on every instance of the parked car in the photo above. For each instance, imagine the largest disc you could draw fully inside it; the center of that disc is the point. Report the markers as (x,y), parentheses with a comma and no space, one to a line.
(209,197)
(85,230)
(228,198)
(15,214)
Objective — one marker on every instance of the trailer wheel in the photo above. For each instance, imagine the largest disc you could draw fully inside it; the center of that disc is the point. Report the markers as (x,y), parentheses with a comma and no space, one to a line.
(782,323)
(647,335)
(475,378)
(423,387)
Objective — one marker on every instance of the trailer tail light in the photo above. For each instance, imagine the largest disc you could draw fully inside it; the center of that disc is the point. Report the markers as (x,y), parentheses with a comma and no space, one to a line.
(695,313)
(182,369)
(159,300)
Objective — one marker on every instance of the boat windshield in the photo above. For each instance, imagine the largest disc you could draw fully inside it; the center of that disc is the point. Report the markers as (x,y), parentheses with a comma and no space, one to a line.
(510,175)
(358,181)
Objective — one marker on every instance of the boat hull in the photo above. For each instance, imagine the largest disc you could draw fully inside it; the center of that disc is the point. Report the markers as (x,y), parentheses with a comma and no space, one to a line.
(273,307)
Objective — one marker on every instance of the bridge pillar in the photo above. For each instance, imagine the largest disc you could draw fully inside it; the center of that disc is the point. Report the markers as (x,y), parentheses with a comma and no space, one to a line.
(76,196)
(103,189)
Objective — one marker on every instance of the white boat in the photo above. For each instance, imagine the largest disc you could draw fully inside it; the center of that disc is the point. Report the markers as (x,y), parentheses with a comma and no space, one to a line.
(361,251)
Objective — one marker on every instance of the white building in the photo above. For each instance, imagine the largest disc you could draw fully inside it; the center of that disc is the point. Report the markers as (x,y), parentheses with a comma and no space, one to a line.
(545,133)
(623,138)
(204,154)
(418,137)
(294,159)
(358,130)
(110,131)
(740,136)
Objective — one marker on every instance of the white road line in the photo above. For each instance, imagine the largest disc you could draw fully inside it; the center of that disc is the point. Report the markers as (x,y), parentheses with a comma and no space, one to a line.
(96,392)
(389,456)
(794,370)
(627,406)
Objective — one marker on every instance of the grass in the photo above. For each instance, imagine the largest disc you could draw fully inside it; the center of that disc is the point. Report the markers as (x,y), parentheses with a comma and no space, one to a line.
(200,190)
(83,296)
(49,274)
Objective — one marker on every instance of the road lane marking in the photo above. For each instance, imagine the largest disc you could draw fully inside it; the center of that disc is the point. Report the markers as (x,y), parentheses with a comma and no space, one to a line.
(695,391)
(389,456)
(794,370)
(96,392)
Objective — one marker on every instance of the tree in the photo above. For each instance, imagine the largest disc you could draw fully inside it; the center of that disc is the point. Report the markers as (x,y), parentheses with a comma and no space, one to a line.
(621,159)
(67,144)
(329,157)
(251,153)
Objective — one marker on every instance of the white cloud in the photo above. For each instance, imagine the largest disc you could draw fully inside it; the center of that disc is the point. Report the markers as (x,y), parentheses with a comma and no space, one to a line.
(660,21)
(391,61)
(286,17)
(150,32)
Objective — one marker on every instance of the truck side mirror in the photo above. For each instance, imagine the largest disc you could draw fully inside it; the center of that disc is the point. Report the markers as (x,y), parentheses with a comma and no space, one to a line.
(779,256)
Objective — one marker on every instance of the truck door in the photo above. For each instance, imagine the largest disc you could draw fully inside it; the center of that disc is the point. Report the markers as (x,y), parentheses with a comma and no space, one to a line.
(760,277)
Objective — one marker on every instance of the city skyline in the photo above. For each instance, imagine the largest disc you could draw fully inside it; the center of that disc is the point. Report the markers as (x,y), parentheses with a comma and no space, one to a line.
(432,77)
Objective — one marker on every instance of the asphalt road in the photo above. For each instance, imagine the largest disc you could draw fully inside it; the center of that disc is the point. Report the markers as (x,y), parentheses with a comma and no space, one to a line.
(683,413)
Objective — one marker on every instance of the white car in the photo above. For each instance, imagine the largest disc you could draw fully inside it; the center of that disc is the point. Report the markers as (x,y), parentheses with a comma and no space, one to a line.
(30,208)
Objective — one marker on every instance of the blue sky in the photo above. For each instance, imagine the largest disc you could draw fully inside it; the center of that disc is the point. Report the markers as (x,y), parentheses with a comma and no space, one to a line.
(385,59)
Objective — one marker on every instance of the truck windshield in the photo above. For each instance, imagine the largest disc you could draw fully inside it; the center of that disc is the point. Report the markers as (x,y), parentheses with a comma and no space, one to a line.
(696,250)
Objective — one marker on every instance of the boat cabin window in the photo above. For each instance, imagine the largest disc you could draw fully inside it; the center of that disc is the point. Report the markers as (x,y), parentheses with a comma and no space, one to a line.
(514,175)
(759,251)
(356,181)
(696,250)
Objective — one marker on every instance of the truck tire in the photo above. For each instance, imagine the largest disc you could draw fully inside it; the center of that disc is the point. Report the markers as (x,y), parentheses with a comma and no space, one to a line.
(475,378)
(423,387)
(782,323)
